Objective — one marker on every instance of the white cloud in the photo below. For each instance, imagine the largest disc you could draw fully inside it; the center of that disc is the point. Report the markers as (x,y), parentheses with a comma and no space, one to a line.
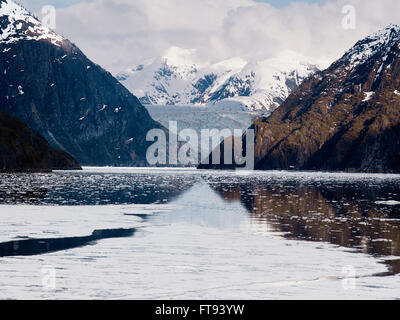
(120,33)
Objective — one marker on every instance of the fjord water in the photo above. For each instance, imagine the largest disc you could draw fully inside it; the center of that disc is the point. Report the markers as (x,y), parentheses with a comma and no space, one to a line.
(182,233)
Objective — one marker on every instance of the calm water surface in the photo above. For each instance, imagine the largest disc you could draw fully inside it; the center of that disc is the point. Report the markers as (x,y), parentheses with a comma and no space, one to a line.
(358,211)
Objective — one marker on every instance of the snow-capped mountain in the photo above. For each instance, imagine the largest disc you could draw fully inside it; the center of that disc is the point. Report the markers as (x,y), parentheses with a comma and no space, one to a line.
(345,118)
(49,84)
(17,23)
(177,79)
(381,42)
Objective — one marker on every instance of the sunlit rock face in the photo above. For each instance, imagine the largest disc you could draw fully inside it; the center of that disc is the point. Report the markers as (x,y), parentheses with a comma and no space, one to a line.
(49,84)
(344,118)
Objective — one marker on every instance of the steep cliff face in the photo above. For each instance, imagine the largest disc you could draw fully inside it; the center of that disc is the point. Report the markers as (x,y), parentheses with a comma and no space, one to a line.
(22,149)
(344,118)
(49,84)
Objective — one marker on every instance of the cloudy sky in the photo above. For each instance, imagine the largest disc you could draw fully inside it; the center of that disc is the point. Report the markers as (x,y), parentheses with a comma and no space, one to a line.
(121,33)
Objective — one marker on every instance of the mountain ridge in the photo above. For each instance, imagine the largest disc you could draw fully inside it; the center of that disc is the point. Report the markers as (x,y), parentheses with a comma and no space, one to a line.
(345,118)
(79,107)
(177,79)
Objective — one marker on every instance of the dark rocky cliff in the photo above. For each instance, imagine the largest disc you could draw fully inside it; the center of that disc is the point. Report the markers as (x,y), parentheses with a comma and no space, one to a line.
(50,85)
(22,149)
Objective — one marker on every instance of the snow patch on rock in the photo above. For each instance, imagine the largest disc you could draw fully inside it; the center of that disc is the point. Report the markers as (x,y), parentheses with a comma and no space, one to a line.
(18,24)
(368,96)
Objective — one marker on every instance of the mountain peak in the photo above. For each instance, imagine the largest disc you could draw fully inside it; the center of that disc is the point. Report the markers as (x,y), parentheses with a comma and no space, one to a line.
(76,105)
(386,35)
(380,42)
(17,23)
(177,79)
(344,118)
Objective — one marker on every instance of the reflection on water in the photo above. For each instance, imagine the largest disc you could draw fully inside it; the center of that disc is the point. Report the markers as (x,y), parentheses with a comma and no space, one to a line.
(21,189)
(343,212)
(338,209)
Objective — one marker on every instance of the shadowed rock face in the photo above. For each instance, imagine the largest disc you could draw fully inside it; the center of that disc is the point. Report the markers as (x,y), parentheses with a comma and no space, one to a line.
(344,118)
(50,85)
(22,149)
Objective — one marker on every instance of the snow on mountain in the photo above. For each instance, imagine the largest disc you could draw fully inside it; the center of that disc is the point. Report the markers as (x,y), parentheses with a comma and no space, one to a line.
(16,23)
(49,84)
(176,79)
(345,118)
(381,42)
(264,84)
(369,59)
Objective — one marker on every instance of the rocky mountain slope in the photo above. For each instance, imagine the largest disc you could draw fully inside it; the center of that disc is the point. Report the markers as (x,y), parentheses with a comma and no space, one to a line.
(177,79)
(22,149)
(50,85)
(344,118)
